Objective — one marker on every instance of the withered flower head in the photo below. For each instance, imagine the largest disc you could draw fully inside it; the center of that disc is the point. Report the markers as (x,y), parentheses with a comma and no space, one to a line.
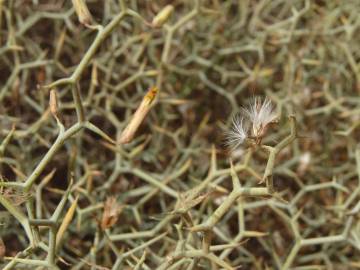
(111,213)
(260,115)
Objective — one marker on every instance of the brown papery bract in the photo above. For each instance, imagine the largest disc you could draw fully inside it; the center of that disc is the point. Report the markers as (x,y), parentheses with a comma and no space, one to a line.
(111,213)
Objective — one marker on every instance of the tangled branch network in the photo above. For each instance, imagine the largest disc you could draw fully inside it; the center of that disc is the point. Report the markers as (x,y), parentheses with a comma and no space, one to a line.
(125,168)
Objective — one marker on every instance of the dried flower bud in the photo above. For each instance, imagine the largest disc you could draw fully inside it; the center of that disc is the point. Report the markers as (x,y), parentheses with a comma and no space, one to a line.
(145,106)
(53,102)
(162,16)
(82,12)
(94,75)
(111,213)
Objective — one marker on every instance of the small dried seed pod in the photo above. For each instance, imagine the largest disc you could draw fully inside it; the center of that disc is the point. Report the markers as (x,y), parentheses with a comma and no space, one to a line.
(82,12)
(53,102)
(162,16)
(128,134)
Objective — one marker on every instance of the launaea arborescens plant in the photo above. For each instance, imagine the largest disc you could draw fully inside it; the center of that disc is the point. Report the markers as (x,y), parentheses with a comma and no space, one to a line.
(189,205)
